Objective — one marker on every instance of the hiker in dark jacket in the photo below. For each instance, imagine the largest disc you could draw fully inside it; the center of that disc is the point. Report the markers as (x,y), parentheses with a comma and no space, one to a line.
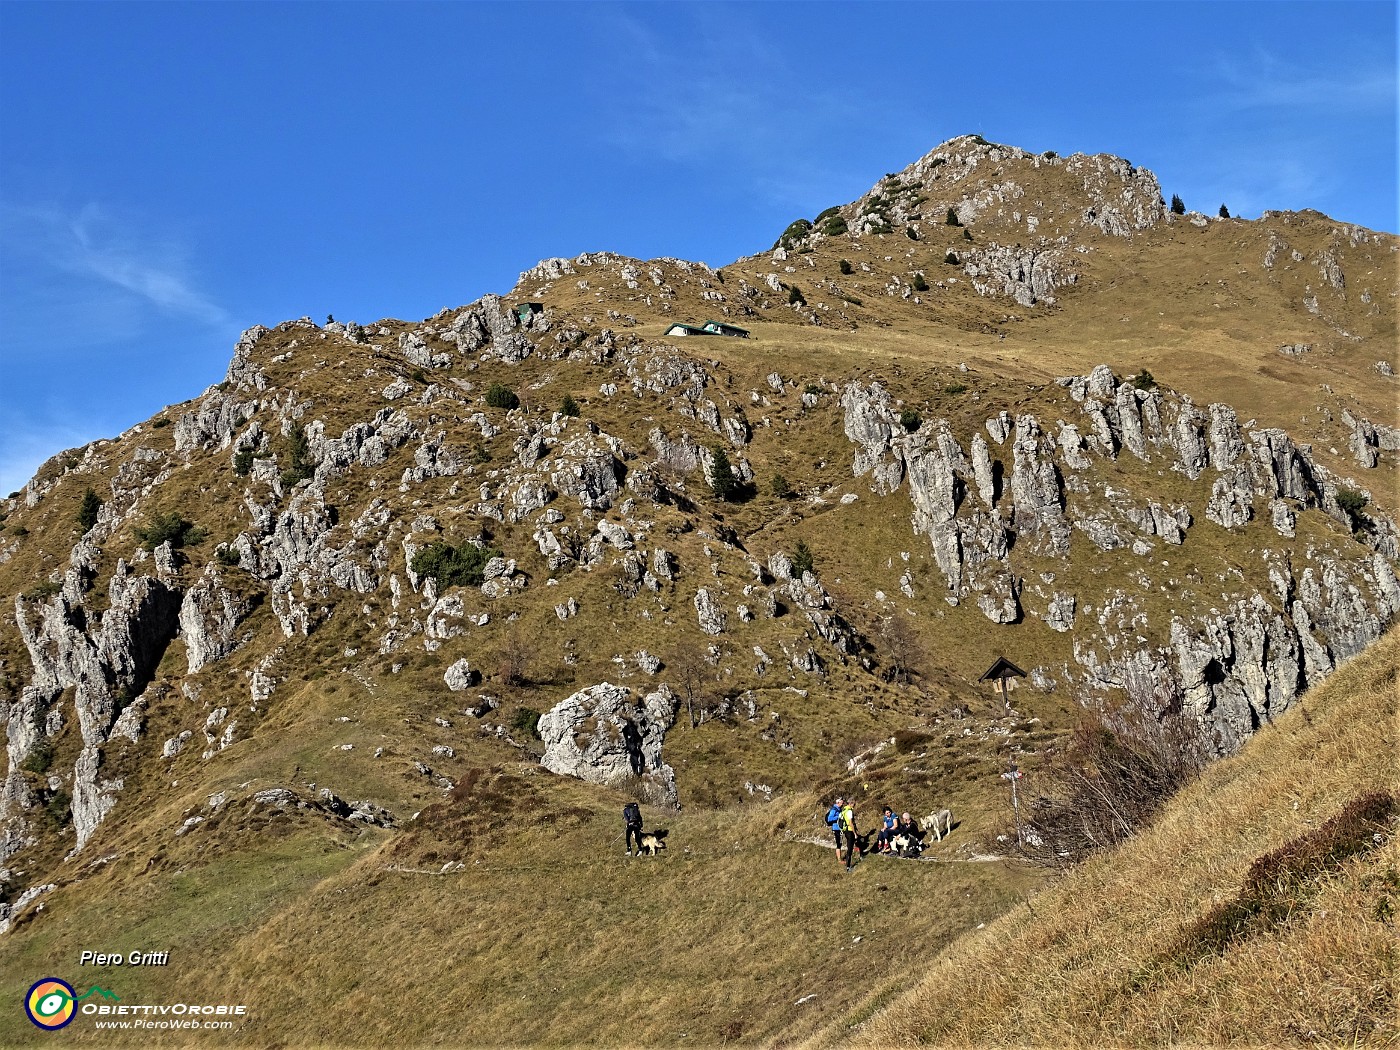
(632,817)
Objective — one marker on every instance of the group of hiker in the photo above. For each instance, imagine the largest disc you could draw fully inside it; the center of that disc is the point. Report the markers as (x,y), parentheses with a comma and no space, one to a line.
(841,819)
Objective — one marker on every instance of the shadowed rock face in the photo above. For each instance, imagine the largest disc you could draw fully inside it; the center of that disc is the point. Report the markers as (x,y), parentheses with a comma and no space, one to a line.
(606,734)
(106,662)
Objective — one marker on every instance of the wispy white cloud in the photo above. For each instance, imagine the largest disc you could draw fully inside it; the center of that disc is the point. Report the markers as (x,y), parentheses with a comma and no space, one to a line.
(1260,80)
(75,255)
(728,96)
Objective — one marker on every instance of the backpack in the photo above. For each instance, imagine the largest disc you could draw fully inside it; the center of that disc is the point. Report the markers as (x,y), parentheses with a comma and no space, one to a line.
(632,814)
(833,816)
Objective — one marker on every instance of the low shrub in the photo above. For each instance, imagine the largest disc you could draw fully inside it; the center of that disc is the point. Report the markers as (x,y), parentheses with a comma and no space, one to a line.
(954,389)
(845,267)
(951,258)
(451,566)
(834,226)
(1281,881)
(795,296)
(526,720)
(59,808)
(39,759)
(1112,778)
(910,420)
(498,395)
(243,462)
(1144,380)
(796,230)
(919,283)
(172,527)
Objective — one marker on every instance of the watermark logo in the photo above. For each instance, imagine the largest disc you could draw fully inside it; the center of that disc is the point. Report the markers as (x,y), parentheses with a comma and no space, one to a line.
(51,1004)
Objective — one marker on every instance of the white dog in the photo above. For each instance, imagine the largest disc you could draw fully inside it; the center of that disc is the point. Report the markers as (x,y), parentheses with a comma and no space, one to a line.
(940,823)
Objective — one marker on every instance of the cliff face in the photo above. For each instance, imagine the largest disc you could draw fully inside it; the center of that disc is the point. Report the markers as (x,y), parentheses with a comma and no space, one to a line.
(1125,543)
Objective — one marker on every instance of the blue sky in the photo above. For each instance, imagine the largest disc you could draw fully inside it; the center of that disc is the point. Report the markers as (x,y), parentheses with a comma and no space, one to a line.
(172,173)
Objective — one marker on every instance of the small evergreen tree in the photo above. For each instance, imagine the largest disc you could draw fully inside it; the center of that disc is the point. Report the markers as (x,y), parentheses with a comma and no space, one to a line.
(1178,208)
(1224,212)
(910,420)
(1352,504)
(173,527)
(781,488)
(298,449)
(87,510)
(1144,380)
(795,296)
(569,407)
(499,395)
(951,258)
(801,559)
(722,479)
(846,267)
(919,283)
(953,217)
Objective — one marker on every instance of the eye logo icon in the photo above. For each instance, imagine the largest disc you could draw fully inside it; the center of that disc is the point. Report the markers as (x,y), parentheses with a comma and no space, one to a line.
(51,1003)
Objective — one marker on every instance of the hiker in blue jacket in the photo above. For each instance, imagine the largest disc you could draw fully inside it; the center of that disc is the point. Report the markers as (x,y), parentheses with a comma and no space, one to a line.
(887,830)
(833,821)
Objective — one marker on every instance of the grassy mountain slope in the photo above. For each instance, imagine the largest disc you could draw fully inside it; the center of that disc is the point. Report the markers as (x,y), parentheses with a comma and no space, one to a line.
(178,785)
(1139,947)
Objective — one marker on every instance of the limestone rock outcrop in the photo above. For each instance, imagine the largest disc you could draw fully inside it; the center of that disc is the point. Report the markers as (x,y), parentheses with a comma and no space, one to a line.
(607,734)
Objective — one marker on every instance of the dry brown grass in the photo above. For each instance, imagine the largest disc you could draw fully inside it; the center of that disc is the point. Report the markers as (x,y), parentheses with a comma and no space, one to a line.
(1096,960)
(548,936)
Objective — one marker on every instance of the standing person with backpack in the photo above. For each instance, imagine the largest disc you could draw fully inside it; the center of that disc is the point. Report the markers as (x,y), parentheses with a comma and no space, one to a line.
(833,821)
(632,817)
(848,832)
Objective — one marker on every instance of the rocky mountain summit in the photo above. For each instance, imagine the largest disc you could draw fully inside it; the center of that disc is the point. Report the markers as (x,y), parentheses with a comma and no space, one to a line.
(700,570)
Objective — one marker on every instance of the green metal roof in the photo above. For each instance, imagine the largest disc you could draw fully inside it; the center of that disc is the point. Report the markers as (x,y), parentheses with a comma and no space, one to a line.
(722,326)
